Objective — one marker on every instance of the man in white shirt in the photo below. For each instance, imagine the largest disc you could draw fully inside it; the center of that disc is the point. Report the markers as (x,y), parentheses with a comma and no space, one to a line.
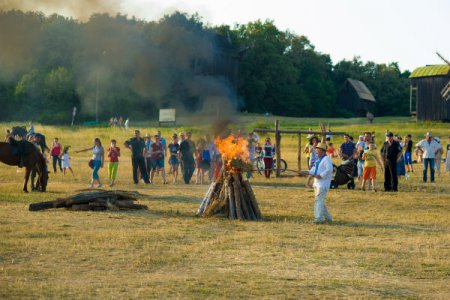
(429,147)
(322,171)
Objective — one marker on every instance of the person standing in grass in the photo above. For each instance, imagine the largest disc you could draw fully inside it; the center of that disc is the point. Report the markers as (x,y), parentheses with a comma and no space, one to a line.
(55,152)
(391,153)
(113,164)
(371,159)
(138,150)
(174,159)
(322,172)
(447,159)
(65,158)
(98,157)
(157,153)
(187,150)
(438,158)
(269,152)
(408,153)
(429,147)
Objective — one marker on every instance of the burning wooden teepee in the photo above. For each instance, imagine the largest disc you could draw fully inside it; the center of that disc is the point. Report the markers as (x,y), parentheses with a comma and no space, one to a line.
(229,195)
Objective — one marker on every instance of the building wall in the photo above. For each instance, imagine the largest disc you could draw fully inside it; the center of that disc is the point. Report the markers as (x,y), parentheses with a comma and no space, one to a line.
(430,106)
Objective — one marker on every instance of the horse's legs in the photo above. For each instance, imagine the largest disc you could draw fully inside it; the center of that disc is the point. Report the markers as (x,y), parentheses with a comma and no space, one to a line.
(33,177)
(27,177)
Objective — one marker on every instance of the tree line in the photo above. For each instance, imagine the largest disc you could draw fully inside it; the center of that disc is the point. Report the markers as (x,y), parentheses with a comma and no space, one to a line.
(50,64)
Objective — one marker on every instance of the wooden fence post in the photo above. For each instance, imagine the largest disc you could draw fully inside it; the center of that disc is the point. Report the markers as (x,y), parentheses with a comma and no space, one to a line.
(277,146)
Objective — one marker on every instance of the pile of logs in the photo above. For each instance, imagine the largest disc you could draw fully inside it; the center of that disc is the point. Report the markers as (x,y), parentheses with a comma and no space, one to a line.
(232,197)
(94,200)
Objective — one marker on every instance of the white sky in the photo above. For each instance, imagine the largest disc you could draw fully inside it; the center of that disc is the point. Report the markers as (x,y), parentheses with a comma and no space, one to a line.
(405,31)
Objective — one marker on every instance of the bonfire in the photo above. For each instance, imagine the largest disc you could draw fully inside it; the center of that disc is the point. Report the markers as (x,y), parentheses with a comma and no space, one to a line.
(230,195)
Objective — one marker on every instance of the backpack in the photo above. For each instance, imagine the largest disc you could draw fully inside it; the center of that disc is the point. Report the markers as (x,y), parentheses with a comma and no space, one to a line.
(206,155)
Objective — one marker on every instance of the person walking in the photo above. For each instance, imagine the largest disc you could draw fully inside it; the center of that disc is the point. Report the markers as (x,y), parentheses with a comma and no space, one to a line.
(322,172)
(187,150)
(65,160)
(137,147)
(113,165)
(371,159)
(98,157)
(55,152)
(429,147)
(390,153)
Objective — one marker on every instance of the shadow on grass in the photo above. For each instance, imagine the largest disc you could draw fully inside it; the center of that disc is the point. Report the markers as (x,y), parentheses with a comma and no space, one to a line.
(388,226)
(171,198)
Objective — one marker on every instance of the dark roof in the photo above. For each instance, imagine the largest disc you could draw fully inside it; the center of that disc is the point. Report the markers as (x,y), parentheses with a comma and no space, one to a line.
(361,89)
(429,71)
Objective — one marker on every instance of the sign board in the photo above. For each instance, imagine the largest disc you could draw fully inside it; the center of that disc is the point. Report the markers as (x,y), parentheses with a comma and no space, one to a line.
(167,116)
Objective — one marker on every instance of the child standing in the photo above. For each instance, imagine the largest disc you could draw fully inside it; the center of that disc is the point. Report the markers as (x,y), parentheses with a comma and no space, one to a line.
(113,154)
(371,159)
(65,160)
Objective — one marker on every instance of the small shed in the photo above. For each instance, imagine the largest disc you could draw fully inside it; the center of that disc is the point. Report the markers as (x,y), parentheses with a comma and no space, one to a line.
(427,91)
(355,97)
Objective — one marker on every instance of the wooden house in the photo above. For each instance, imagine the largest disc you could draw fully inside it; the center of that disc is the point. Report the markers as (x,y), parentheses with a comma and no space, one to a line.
(428,93)
(355,97)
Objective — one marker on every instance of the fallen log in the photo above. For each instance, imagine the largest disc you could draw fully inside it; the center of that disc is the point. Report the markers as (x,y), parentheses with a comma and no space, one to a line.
(94,200)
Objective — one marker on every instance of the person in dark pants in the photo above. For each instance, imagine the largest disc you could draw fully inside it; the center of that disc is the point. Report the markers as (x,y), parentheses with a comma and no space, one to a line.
(137,147)
(391,153)
(55,152)
(187,150)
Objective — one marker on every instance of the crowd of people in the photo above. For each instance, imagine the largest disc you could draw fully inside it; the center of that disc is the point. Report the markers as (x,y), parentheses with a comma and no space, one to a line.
(150,152)
(119,122)
(394,158)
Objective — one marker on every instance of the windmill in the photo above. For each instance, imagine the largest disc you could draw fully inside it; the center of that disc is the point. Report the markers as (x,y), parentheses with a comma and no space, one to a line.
(446,90)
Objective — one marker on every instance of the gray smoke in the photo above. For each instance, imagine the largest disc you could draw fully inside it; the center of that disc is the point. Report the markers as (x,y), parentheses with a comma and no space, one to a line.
(171,64)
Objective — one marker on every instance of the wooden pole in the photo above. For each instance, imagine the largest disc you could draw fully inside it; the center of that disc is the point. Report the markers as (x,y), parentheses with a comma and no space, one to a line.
(277,146)
(299,152)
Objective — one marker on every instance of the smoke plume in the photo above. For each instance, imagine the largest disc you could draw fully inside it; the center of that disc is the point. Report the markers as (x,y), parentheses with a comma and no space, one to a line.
(120,62)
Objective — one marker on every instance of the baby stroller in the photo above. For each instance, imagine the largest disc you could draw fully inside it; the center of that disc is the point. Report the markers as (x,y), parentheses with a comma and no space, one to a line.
(344,175)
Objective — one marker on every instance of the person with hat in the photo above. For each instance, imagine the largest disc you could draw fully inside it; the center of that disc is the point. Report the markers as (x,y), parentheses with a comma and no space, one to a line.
(138,150)
(322,171)
(429,146)
(390,153)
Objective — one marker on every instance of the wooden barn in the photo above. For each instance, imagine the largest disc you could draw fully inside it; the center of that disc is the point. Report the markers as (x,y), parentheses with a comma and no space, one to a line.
(428,88)
(355,97)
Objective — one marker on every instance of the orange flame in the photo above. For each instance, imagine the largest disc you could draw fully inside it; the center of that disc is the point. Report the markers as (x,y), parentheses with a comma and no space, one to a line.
(232,148)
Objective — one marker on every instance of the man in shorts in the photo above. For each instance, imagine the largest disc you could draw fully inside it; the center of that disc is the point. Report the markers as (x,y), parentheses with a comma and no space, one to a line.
(157,161)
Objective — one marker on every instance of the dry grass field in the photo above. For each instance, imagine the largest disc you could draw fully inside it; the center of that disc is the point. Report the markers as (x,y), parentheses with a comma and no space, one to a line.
(380,245)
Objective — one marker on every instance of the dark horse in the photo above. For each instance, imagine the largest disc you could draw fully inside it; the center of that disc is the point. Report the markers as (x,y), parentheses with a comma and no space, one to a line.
(32,160)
